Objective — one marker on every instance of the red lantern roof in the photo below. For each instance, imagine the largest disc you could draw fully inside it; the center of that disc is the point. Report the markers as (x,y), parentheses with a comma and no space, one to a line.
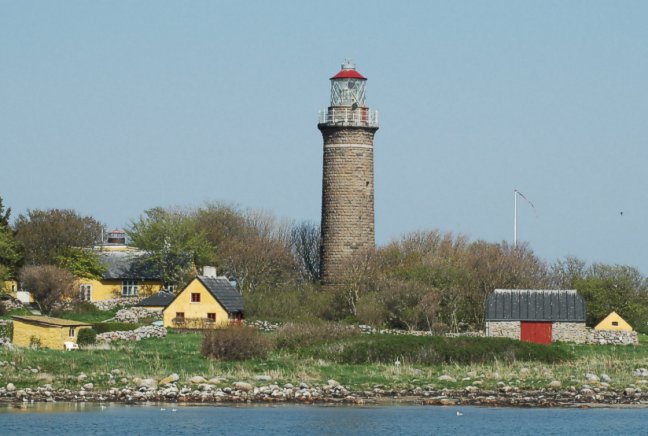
(348,71)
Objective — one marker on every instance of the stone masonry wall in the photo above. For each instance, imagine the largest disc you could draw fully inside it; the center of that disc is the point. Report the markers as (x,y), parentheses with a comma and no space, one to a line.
(347,197)
(503,329)
(570,332)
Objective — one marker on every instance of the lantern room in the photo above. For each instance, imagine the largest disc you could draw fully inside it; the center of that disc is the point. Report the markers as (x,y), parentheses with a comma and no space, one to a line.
(348,100)
(348,87)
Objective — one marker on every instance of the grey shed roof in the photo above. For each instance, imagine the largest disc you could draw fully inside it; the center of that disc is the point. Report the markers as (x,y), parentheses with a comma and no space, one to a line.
(123,265)
(535,305)
(224,293)
(162,298)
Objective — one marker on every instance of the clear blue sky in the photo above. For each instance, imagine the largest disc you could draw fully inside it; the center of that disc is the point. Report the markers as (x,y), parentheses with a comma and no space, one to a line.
(111,108)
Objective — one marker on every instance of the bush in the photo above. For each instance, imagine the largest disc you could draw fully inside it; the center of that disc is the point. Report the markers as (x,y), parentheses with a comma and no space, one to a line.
(235,343)
(87,337)
(436,350)
(34,342)
(292,336)
(103,327)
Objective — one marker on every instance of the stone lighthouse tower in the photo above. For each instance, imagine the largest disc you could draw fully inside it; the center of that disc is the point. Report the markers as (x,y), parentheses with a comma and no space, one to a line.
(348,127)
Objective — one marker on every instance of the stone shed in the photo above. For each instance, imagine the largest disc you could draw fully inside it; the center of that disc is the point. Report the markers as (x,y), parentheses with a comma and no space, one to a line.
(540,316)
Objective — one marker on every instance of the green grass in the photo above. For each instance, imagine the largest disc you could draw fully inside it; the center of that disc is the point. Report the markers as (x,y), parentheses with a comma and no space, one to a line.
(350,361)
(430,350)
(90,317)
(18,312)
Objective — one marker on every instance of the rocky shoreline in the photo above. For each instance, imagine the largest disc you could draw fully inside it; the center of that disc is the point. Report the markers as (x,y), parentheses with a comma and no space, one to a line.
(330,393)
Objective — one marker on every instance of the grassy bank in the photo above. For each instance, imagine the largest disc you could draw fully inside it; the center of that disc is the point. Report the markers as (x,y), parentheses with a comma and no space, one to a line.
(350,361)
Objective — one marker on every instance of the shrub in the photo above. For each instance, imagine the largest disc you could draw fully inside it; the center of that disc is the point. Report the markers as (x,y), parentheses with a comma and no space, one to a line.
(103,327)
(435,350)
(34,342)
(296,335)
(87,337)
(235,343)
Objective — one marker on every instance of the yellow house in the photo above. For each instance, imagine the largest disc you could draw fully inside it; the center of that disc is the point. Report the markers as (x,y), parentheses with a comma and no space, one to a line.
(128,274)
(613,322)
(47,331)
(206,302)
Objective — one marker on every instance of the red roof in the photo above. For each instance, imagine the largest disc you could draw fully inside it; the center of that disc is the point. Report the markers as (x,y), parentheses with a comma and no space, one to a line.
(348,74)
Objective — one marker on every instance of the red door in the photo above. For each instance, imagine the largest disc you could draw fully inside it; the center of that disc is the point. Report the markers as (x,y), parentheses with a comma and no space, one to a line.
(539,332)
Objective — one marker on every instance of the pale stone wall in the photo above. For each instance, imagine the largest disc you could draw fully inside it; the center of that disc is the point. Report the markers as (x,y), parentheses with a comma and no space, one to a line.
(503,329)
(613,337)
(347,197)
(570,332)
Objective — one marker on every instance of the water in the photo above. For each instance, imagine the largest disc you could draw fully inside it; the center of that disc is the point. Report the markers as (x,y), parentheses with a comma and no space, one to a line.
(91,419)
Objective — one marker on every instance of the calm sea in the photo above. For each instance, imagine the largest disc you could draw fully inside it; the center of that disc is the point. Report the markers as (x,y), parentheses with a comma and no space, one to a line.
(91,419)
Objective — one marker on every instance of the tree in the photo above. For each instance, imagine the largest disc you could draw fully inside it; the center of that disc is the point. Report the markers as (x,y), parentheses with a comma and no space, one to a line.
(173,242)
(44,235)
(614,287)
(305,241)
(82,263)
(9,254)
(252,246)
(4,214)
(49,285)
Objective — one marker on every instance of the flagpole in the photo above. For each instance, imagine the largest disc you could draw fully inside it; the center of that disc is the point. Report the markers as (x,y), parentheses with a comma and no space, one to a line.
(514,218)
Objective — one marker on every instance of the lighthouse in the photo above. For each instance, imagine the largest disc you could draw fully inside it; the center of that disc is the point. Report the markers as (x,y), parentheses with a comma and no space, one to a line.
(348,127)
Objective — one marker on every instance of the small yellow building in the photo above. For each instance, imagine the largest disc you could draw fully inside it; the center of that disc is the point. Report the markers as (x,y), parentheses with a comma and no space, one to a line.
(11,288)
(614,322)
(206,302)
(48,332)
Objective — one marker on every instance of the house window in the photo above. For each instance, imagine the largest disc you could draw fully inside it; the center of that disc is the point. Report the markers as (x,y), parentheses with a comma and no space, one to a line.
(615,323)
(195,297)
(129,288)
(85,292)
(179,318)
(71,332)
(211,317)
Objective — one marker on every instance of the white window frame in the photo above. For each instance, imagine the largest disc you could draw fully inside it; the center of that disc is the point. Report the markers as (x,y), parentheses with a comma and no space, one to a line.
(130,288)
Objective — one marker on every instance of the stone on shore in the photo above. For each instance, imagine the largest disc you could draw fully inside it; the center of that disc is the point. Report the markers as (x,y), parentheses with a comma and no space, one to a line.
(197,379)
(149,383)
(172,378)
(243,386)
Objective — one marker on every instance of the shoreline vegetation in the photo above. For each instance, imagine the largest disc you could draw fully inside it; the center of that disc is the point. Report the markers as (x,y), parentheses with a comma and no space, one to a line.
(333,368)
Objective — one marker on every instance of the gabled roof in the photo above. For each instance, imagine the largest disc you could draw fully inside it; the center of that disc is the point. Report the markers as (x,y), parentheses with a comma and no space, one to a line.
(49,321)
(162,298)
(535,305)
(129,264)
(608,323)
(223,291)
